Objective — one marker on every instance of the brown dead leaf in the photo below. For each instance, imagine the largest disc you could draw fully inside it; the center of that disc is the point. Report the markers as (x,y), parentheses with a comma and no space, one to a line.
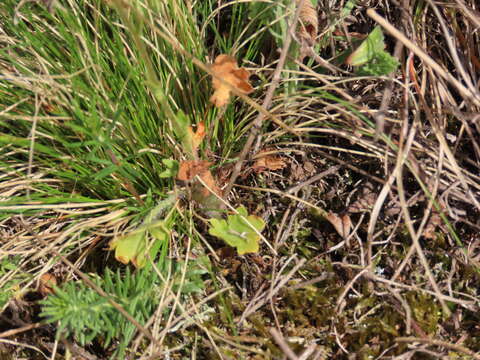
(268,162)
(342,224)
(46,284)
(209,180)
(308,28)
(196,137)
(188,169)
(226,68)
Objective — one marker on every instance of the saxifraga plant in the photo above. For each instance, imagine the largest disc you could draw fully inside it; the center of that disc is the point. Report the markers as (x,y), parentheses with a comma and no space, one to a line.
(85,315)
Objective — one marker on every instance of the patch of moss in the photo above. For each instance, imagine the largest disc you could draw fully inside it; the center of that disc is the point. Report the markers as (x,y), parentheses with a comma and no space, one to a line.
(425,311)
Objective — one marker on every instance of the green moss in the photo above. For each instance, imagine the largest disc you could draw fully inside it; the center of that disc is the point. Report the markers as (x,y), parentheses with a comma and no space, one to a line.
(425,311)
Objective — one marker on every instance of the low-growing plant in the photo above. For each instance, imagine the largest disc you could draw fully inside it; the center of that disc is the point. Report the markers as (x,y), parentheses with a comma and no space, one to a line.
(86,315)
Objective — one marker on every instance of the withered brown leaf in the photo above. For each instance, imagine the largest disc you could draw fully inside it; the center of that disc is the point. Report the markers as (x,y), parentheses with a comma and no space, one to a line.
(47,282)
(308,28)
(342,224)
(226,68)
(268,162)
(188,169)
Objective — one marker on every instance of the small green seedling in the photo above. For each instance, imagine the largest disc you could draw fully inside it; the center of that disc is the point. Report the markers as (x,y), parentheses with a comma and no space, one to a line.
(371,57)
(237,232)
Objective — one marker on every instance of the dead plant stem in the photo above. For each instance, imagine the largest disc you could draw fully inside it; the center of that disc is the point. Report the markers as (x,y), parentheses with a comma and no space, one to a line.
(473,97)
(440,343)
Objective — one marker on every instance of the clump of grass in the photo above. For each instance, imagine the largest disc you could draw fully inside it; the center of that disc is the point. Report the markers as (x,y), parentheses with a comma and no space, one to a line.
(91,92)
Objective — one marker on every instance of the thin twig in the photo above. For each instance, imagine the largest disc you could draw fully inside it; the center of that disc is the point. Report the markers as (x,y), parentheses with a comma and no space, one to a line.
(441,343)
(19,330)
(283,344)
(340,304)
(313,179)
(473,97)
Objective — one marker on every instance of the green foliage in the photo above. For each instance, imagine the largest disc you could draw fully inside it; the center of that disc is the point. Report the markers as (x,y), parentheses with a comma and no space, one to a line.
(382,63)
(373,44)
(181,124)
(171,168)
(84,314)
(102,92)
(426,311)
(144,242)
(275,16)
(371,56)
(237,230)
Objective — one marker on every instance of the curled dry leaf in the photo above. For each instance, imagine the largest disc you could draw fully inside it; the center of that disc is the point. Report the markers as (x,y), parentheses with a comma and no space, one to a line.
(47,283)
(226,68)
(268,162)
(196,137)
(190,168)
(209,180)
(308,28)
(342,224)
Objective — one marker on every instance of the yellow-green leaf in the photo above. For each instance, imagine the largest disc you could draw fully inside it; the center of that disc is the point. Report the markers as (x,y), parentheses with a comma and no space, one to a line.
(236,232)
(130,247)
(144,242)
(371,46)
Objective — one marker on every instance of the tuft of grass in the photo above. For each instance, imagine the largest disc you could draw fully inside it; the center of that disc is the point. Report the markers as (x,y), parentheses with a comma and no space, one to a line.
(91,93)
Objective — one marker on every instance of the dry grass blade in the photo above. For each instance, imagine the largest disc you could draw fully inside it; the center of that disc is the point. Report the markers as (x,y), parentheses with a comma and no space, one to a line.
(370,195)
(283,344)
(440,343)
(474,97)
